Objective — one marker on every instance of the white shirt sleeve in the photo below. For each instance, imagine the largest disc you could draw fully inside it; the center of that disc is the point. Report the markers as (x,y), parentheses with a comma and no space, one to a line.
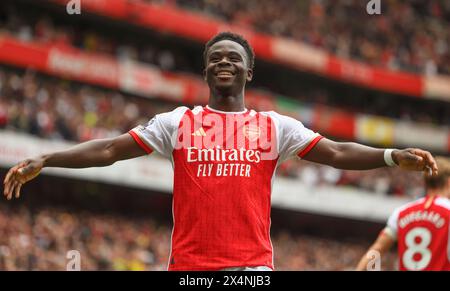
(391,228)
(294,139)
(160,133)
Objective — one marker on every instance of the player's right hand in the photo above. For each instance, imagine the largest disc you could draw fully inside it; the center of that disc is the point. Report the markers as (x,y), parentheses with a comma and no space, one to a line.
(19,175)
(413,159)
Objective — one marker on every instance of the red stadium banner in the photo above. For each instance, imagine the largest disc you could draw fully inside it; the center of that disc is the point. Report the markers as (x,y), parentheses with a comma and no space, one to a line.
(198,27)
(375,78)
(18,54)
(102,70)
(84,67)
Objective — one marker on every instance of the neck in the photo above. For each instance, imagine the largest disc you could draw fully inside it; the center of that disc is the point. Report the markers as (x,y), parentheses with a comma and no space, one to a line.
(233,103)
(435,193)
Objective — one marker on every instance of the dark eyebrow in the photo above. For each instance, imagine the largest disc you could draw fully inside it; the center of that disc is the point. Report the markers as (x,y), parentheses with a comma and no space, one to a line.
(229,52)
(214,53)
(236,53)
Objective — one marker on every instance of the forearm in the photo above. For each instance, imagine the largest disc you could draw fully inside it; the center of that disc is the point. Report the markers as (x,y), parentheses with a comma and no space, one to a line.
(382,245)
(353,156)
(346,155)
(95,153)
(364,263)
(368,260)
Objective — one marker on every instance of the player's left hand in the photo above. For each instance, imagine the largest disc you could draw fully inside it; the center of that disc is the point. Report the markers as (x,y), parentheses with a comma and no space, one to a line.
(415,160)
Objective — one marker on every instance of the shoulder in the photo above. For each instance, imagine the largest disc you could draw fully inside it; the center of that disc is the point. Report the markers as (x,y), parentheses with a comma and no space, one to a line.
(410,205)
(170,117)
(180,110)
(274,114)
(281,120)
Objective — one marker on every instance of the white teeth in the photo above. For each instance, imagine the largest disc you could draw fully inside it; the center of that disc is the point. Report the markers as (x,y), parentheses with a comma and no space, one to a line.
(224,74)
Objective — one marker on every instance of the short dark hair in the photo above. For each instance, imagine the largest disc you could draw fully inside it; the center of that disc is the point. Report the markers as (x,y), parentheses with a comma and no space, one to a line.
(233,37)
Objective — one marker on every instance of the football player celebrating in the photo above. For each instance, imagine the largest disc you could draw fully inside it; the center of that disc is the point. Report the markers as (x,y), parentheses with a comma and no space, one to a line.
(224,157)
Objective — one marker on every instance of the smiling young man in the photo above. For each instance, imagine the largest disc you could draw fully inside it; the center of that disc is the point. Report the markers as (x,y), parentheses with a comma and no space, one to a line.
(224,157)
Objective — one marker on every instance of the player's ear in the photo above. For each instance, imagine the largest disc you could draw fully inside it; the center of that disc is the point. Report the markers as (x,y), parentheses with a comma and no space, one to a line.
(249,74)
(204,74)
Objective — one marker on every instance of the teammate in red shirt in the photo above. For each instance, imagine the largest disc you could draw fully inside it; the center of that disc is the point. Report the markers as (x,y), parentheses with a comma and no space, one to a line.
(224,158)
(421,228)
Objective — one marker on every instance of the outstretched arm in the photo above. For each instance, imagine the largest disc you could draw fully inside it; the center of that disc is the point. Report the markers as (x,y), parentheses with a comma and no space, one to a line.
(354,156)
(95,153)
(383,243)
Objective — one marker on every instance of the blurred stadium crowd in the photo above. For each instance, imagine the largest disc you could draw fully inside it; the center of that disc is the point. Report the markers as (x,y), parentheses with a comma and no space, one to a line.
(57,109)
(40,240)
(45,29)
(411,35)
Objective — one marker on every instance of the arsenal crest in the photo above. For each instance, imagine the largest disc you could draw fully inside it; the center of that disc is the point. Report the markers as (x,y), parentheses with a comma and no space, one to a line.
(251,132)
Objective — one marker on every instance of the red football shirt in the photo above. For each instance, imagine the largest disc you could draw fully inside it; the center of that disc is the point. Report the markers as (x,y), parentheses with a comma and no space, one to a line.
(224,164)
(422,230)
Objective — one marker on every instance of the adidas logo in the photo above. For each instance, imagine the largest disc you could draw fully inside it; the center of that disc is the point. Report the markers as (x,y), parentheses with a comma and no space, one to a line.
(199,132)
